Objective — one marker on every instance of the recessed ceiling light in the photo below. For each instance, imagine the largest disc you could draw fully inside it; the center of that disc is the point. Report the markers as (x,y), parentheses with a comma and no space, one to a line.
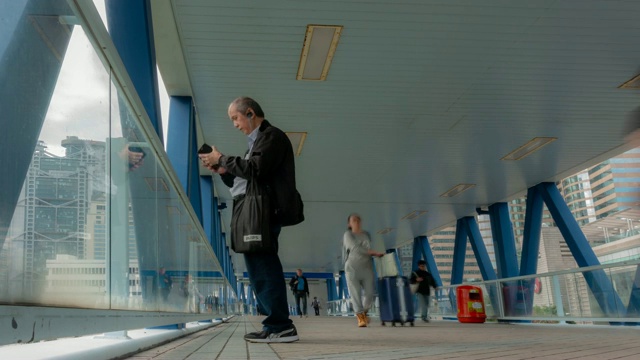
(457,190)
(385,231)
(633,83)
(529,148)
(297,141)
(414,214)
(320,42)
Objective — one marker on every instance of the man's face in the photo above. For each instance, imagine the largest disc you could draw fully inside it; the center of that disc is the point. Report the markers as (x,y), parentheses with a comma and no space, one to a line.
(240,120)
(422,267)
(299,272)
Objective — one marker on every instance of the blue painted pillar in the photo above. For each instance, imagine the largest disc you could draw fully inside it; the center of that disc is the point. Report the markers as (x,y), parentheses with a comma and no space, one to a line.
(482,257)
(479,249)
(29,69)
(182,149)
(217,229)
(598,281)
(332,293)
(516,294)
(206,195)
(422,250)
(343,290)
(131,29)
(503,240)
(531,238)
(459,253)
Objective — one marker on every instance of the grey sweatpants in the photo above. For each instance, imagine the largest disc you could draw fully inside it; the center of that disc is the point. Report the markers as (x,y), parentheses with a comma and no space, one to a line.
(358,281)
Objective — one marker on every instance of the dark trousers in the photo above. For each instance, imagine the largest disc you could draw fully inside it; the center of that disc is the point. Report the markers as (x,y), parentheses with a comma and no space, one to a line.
(301,295)
(267,279)
(317,309)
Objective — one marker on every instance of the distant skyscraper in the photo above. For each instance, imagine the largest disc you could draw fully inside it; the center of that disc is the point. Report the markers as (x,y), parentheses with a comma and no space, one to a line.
(54,205)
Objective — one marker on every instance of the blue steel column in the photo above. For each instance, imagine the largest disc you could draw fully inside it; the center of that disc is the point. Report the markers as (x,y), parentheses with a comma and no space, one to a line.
(131,29)
(422,250)
(482,257)
(459,252)
(479,249)
(343,290)
(332,293)
(516,294)
(29,69)
(598,281)
(217,229)
(206,195)
(182,149)
(503,240)
(531,238)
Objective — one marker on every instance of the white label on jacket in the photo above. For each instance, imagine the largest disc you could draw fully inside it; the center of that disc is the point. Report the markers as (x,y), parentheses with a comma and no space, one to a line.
(251,238)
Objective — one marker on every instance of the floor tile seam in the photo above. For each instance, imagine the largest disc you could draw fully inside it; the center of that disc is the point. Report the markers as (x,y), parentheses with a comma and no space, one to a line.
(232,326)
(595,353)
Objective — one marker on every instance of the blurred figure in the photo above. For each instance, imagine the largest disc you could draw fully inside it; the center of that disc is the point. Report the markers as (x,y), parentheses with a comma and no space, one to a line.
(163,284)
(315,304)
(425,282)
(358,267)
(193,295)
(300,288)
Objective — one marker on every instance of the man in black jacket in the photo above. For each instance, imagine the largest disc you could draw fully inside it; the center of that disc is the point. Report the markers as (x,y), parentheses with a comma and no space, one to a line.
(270,162)
(425,282)
(300,288)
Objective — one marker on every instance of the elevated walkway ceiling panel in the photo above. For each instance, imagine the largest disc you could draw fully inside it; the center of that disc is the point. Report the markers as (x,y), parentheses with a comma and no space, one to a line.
(420,97)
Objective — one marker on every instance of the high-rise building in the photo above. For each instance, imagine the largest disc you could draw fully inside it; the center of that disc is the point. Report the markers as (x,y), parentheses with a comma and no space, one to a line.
(51,214)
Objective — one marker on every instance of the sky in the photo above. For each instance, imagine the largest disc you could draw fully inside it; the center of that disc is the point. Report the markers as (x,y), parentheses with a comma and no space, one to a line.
(80,105)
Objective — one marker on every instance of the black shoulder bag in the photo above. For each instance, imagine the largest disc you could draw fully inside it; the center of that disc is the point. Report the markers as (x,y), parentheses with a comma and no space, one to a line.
(251,221)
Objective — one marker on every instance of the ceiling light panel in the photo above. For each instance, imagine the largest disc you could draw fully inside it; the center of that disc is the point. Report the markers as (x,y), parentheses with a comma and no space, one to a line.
(414,214)
(457,190)
(320,43)
(633,83)
(385,231)
(529,148)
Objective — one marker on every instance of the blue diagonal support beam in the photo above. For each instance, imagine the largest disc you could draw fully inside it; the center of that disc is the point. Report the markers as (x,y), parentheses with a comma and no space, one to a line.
(479,249)
(503,240)
(459,253)
(422,250)
(29,70)
(633,309)
(532,227)
(131,28)
(598,281)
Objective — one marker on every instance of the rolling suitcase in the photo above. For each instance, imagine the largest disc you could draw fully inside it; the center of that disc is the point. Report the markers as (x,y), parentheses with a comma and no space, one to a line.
(395,300)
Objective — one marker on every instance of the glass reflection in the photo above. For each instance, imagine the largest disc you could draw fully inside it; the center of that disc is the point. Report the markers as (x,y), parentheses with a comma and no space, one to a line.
(89,215)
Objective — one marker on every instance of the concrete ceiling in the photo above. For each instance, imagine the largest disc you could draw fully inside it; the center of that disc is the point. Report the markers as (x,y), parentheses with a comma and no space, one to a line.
(421,96)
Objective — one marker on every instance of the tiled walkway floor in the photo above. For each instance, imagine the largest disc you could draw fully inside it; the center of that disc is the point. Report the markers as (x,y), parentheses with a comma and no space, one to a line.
(340,338)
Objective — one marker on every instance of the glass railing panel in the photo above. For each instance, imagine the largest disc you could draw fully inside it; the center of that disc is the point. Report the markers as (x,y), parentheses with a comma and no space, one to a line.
(54,250)
(91,217)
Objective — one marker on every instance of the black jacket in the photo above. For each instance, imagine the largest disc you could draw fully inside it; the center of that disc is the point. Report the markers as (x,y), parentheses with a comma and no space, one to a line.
(427,282)
(271,163)
(293,284)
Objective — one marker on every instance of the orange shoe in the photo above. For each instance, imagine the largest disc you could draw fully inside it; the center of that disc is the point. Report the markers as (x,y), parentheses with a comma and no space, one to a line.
(362,322)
